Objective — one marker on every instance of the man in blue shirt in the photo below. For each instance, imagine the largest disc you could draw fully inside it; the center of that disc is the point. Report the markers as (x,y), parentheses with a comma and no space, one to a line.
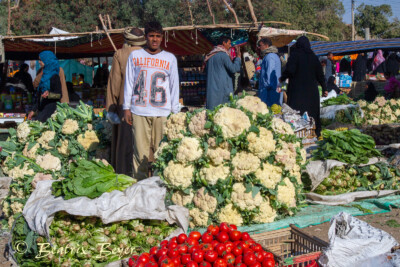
(270,73)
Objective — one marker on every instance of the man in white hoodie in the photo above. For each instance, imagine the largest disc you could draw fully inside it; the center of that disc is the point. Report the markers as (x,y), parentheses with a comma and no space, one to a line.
(151,93)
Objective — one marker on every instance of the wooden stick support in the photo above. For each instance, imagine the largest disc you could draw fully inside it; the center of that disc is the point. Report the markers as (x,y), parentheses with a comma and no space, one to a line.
(109,22)
(211,13)
(190,11)
(232,11)
(252,12)
(108,35)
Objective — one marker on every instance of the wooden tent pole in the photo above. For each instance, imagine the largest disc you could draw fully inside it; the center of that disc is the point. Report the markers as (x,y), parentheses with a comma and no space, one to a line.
(109,22)
(16,5)
(252,12)
(108,35)
(232,11)
(211,13)
(190,11)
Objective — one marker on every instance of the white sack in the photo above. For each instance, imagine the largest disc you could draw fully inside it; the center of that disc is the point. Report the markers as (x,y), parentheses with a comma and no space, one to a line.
(143,200)
(343,199)
(331,94)
(329,112)
(352,241)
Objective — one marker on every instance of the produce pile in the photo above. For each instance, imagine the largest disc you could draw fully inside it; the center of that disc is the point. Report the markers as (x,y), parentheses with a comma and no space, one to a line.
(380,111)
(38,151)
(347,178)
(86,241)
(349,146)
(219,246)
(339,100)
(235,164)
(384,134)
(350,115)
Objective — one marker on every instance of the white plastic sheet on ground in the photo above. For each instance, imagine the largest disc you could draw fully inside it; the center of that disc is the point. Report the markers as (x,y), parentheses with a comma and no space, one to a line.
(353,242)
(329,112)
(143,200)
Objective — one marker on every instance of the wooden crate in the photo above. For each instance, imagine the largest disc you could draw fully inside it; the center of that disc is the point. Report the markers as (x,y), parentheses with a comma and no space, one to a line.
(291,246)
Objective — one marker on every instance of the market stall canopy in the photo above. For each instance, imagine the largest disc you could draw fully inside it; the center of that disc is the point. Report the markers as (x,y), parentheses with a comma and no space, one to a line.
(55,31)
(351,47)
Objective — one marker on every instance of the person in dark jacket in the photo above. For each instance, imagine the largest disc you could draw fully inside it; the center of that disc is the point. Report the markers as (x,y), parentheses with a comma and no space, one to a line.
(330,66)
(331,85)
(371,93)
(392,65)
(304,71)
(49,90)
(24,78)
(345,65)
(360,68)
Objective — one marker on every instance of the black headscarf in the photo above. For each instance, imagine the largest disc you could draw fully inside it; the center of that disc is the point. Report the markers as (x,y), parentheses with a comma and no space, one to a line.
(331,85)
(371,92)
(304,44)
(392,65)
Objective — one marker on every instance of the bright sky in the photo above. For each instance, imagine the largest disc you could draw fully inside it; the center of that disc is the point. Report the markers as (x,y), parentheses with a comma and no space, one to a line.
(347,5)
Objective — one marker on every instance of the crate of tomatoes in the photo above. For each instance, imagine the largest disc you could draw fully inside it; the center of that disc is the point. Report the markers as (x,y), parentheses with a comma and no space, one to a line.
(219,246)
(292,247)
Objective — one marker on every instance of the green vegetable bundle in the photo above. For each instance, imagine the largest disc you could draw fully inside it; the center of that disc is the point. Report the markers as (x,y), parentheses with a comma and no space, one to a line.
(350,146)
(86,241)
(90,178)
(350,115)
(339,100)
(348,178)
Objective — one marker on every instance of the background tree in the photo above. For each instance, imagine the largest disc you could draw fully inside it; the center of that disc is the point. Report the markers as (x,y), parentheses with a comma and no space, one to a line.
(374,17)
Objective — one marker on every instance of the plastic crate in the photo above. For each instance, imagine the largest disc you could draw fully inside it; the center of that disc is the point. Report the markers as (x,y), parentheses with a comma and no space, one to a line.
(291,246)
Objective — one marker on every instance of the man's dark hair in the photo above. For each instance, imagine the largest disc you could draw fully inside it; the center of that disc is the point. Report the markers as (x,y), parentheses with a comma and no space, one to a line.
(153,26)
(223,39)
(265,41)
(329,53)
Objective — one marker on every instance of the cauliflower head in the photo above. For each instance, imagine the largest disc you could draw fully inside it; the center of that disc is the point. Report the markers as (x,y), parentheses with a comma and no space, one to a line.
(244,163)
(261,145)
(160,149)
(89,140)
(267,213)
(287,193)
(70,126)
(245,201)
(18,172)
(196,125)
(232,122)
(205,201)
(253,104)
(198,218)
(303,154)
(212,143)
(31,153)
(16,207)
(49,162)
(213,173)
(181,199)
(178,174)
(23,131)
(281,127)
(174,125)
(218,155)
(287,155)
(296,173)
(380,101)
(230,215)
(63,149)
(362,103)
(189,150)
(269,176)
(45,138)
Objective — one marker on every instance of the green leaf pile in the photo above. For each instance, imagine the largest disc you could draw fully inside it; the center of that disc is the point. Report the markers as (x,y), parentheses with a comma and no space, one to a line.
(339,100)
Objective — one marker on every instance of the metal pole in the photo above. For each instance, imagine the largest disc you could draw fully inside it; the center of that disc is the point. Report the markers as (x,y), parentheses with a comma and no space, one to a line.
(352,21)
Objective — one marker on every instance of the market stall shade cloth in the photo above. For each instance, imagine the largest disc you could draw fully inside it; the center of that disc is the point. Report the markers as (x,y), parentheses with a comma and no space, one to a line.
(279,37)
(348,47)
(183,42)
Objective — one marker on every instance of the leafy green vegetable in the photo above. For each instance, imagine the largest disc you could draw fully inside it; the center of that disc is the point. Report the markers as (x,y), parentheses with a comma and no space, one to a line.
(91,179)
(339,100)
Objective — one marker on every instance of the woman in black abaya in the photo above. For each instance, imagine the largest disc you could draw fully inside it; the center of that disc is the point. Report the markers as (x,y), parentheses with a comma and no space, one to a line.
(304,71)
(360,68)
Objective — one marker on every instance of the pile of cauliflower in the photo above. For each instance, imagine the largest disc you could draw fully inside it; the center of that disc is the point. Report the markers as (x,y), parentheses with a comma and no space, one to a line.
(237,164)
(380,111)
(37,149)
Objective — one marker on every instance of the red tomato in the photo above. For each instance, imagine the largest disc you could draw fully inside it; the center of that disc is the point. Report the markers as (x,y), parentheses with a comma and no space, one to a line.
(235,235)
(229,246)
(181,238)
(251,241)
(191,264)
(161,259)
(185,258)
(237,250)
(245,236)
(211,256)
(207,237)
(236,243)
(233,227)
(257,264)
(144,258)
(224,227)
(193,248)
(220,249)
(131,262)
(268,263)
(198,256)
(249,258)
(173,253)
(192,241)
(214,243)
(268,255)
(223,237)
(173,240)
(230,259)
(220,263)
(247,250)
(176,261)
(206,247)
(153,258)
(213,229)
(259,256)
(161,252)
(239,259)
(245,244)
(195,235)
(164,243)
(139,264)
(153,250)
(172,245)
(182,249)
(167,263)
(205,264)
(151,264)
(256,247)
(240,264)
